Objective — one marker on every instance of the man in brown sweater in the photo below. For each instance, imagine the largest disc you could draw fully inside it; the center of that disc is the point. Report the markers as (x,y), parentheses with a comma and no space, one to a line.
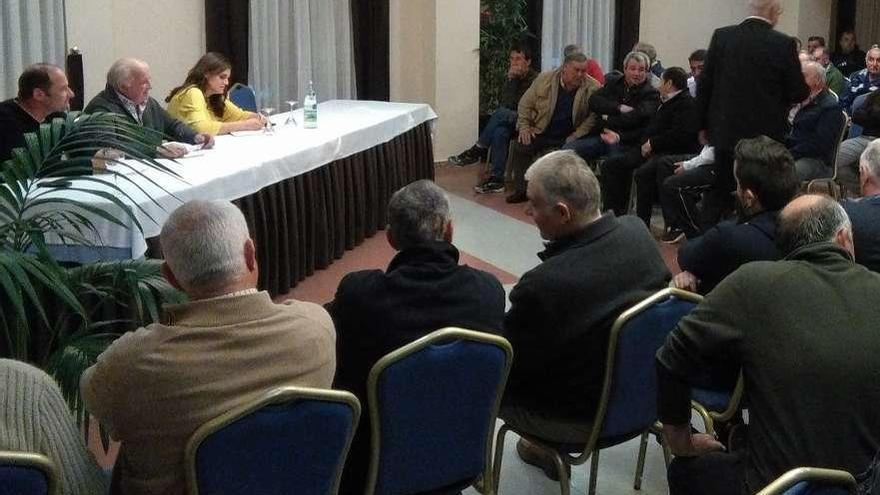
(153,387)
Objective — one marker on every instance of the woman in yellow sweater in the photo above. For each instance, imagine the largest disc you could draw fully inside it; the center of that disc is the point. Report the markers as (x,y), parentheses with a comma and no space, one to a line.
(201,100)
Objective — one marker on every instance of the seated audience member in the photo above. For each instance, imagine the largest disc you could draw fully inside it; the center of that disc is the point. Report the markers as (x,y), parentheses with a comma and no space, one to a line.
(833,76)
(42,91)
(765,182)
(201,102)
(696,61)
(848,57)
(627,102)
(671,131)
(594,70)
(128,94)
(867,116)
(501,126)
(681,181)
(803,331)
(595,267)
(864,81)
(814,42)
(230,343)
(656,68)
(554,111)
(865,211)
(816,128)
(424,289)
(36,420)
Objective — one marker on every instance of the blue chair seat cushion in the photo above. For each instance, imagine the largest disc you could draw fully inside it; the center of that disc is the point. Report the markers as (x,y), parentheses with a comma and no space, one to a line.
(24,480)
(713,400)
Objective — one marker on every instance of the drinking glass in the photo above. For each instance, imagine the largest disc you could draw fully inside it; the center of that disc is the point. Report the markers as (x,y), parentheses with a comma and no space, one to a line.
(291,120)
(266,112)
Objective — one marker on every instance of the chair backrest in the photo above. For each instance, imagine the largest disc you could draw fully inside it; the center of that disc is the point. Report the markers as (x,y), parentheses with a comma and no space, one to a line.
(243,96)
(289,440)
(811,481)
(26,473)
(844,129)
(433,405)
(628,405)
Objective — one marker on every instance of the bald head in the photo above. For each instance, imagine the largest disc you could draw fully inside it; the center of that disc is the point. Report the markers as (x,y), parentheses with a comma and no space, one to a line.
(768,9)
(810,219)
(814,76)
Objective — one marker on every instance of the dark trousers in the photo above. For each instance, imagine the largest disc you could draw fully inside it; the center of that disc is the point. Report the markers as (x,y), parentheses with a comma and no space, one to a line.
(718,473)
(649,179)
(679,195)
(522,156)
(615,177)
(719,201)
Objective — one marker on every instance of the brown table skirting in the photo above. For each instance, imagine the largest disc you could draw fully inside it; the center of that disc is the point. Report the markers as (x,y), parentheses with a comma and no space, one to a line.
(304,223)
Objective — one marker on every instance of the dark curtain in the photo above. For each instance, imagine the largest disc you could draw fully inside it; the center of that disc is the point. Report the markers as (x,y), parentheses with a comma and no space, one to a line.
(534,18)
(227,31)
(75,79)
(627,14)
(370,34)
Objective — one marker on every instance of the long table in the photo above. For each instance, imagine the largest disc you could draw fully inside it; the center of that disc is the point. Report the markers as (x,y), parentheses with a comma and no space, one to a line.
(307,194)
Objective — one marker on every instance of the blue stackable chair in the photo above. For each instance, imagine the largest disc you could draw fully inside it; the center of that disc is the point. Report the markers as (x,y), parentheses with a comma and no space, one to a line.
(433,405)
(25,473)
(243,96)
(811,481)
(289,440)
(628,405)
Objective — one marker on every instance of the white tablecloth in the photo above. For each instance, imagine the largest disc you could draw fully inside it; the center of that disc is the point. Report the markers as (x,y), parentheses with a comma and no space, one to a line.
(241,165)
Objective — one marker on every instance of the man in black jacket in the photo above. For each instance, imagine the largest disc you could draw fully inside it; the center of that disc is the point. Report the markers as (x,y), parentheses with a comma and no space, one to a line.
(128,94)
(627,102)
(816,128)
(765,182)
(751,79)
(595,266)
(671,131)
(424,289)
(803,331)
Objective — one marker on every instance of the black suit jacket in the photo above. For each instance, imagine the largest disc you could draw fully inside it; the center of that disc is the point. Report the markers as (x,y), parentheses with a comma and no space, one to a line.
(751,79)
(562,311)
(375,312)
(643,98)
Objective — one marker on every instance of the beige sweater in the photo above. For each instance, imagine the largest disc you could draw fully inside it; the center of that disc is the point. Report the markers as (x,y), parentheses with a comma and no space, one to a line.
(34,418)
(152,388)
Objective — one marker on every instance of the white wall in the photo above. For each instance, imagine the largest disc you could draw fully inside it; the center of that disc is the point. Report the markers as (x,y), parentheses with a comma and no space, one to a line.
(168,34)
(678,27)
(434,60)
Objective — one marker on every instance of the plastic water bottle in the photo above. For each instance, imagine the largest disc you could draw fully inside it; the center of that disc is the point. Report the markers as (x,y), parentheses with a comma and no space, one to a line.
(310,108)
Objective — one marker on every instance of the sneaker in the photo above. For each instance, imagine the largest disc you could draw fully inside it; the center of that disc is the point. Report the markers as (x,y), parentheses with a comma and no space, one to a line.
(672,236)
(469,156)
(532,455)
(517,197)
(489,186)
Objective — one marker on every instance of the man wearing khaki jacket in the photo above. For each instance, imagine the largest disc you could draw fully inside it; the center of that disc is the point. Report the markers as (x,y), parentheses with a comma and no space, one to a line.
(555,110)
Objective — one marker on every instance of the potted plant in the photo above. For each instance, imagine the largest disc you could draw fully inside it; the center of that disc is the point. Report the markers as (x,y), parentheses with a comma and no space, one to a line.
(502,22)
(58,317)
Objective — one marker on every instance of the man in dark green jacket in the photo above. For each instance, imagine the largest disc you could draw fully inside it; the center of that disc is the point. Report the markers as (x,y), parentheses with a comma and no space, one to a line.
(128,93)
(803,331)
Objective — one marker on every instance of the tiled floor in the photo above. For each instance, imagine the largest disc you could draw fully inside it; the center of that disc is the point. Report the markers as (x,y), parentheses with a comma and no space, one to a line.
(500,238)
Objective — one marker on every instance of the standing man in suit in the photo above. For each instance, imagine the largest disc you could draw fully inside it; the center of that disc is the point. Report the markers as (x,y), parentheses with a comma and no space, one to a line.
(751,79)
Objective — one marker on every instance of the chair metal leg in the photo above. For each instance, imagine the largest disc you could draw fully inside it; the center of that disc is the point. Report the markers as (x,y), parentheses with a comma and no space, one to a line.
(564,482)
(499,453)
(640,463)
(594,472)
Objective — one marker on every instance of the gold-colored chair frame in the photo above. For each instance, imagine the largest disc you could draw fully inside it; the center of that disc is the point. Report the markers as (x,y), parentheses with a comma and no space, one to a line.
(278,395)
(819,475)
(442,336)
(711,417)
(36,461)
(591,450)
(843,133)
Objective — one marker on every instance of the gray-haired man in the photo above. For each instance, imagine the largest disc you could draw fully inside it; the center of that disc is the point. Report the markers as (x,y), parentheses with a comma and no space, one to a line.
(153,387)
(128,93)
(803,331)
(423,289)
(595,266)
